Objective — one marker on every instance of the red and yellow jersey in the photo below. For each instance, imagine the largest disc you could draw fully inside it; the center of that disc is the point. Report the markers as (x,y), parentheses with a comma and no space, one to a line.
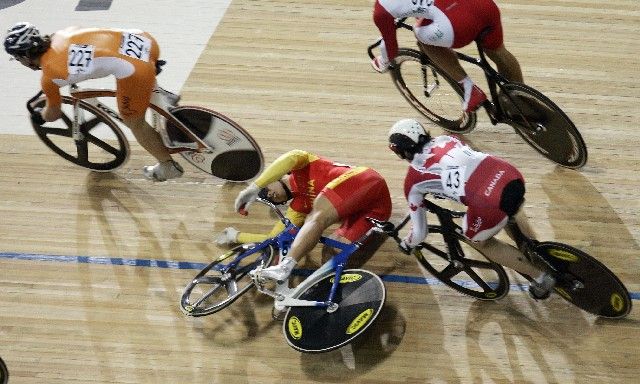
(309,175)
(78,54)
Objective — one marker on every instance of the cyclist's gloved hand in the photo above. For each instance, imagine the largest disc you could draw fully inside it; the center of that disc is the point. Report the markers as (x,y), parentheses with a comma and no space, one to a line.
(380,64)
(36,116)
(246,197)
(227,237)
(404,247)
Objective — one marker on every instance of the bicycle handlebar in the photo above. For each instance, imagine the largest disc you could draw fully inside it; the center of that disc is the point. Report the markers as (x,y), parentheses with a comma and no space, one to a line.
(31,100)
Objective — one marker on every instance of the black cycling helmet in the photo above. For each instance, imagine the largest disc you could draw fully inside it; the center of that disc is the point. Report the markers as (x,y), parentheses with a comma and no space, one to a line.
(23,40)
(264,194)
(407,137)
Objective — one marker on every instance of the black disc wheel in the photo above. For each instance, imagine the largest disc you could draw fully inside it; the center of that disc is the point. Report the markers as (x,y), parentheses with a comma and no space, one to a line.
(543,125)
(585,282)
(359,298)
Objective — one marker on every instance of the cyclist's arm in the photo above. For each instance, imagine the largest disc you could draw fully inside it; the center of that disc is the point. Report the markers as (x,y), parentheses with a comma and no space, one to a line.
(418,215)
(52,109)
(386,24)
(297,218)
(284,164)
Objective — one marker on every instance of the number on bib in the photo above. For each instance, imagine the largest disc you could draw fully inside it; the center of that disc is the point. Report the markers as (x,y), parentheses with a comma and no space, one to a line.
(136,46)
(453,182)
(80,58)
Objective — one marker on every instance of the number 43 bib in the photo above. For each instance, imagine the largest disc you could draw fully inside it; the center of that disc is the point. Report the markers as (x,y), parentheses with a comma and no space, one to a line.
(453,181)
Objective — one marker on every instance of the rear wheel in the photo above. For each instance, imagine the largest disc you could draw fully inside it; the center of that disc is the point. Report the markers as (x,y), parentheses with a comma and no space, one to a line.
(360,297)
(543,125)
(585,282)
(224,280)
(233,154)
(431,91)
(101,146)
(472,274)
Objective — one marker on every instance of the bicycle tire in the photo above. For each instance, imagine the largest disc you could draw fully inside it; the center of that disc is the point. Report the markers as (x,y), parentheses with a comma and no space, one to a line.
(412,70)
(103,146)
(4,372)
(543,125)
(218,285)
(602,294)
(234,154)
(485,280)
(360,298)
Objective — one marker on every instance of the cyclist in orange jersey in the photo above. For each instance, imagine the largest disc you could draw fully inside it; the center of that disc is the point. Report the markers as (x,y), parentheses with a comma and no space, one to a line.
(322,193)
(74,54)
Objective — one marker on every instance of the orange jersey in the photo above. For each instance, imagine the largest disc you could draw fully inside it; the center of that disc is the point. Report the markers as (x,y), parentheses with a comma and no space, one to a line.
(78,54)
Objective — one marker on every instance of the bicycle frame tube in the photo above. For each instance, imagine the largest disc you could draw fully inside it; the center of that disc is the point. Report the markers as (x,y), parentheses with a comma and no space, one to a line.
(158,106)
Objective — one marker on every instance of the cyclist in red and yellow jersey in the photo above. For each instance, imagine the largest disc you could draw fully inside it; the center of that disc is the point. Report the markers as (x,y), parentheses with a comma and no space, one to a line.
(322,193)
(74,54)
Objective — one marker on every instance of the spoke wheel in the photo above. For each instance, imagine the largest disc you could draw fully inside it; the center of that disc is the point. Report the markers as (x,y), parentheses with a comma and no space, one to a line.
(431,92)
(224,280)
(101,146)
(472,274)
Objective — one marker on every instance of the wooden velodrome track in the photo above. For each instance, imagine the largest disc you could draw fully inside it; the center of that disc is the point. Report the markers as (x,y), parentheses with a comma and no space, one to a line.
(296,75)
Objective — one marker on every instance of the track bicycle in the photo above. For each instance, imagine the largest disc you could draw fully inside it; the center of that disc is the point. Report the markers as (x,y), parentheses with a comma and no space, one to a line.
(580,278)
(327,310)
(89,135)
(437,96)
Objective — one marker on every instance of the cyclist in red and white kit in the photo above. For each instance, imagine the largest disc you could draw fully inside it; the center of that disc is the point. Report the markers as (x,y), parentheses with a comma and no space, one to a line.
(491,189)
(442,25)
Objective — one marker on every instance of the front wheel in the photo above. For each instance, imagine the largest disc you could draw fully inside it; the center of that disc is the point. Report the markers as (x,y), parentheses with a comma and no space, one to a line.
(543,125)
(101,145)
(232,154)
(584,281)
(468,271)
(224,280)
(360,297)
(431,91)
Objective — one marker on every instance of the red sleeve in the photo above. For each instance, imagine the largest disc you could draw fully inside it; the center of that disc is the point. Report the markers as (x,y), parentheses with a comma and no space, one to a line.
(386,24)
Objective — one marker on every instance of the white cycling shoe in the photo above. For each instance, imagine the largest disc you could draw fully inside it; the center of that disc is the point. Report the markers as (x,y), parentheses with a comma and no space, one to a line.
(163,171)
(278,273)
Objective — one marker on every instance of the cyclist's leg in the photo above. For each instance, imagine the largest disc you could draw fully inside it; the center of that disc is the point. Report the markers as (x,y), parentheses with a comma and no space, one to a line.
(491,221)
(489,210)
(372,199)
(435,38)
(507,64)
(133,94)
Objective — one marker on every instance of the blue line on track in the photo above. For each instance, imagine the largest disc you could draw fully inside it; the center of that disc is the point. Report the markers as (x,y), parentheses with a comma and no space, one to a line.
(168,264)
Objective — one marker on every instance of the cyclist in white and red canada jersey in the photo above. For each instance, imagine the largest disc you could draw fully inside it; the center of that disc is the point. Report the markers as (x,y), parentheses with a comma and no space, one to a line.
(491,189)
(442,25)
